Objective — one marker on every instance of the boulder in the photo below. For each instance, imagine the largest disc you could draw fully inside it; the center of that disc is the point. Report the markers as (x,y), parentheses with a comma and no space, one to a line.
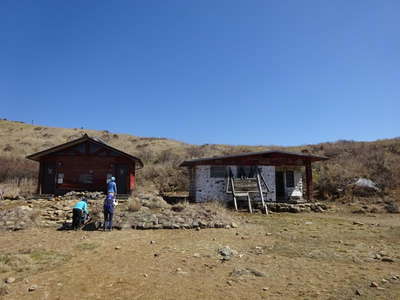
(365,187)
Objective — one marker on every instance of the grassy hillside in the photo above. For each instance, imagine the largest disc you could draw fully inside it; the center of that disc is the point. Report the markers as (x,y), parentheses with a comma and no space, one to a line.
(378,160)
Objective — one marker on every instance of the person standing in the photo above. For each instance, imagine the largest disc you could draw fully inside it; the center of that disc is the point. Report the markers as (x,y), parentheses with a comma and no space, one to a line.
(108,210)
(112,190)
(79,212)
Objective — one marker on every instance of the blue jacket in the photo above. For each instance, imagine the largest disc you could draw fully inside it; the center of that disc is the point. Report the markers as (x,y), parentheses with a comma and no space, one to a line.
(82,205)
(111,187)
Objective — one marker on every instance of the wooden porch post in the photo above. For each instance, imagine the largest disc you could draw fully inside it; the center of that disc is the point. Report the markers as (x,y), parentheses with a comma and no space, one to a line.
(309,181)
(39,182)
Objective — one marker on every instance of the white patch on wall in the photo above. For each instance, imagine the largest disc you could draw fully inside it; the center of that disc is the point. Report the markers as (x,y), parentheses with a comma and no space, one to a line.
(60,178)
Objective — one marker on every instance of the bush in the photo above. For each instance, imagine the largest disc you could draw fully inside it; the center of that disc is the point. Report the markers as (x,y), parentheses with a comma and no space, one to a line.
(17,168)
(165,178)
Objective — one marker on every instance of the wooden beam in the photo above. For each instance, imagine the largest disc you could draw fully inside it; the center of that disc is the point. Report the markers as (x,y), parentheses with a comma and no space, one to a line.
(233,193)
(309,181)
(265,208)
(39,182)
(249,202)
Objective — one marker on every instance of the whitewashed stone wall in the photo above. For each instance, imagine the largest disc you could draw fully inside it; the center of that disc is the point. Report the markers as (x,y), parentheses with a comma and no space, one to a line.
(208,188)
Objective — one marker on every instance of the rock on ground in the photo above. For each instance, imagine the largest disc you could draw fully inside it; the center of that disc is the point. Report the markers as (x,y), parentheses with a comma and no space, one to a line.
(17,218)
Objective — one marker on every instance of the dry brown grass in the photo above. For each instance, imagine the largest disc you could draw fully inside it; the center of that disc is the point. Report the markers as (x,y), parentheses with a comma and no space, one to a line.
(30,260)
(304,256)
(16,187)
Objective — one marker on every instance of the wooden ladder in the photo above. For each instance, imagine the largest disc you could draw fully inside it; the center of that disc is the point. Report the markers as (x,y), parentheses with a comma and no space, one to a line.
(236,194)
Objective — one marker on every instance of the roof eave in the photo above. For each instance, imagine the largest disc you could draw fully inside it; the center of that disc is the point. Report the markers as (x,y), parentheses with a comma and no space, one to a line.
(203,161)
(36,156)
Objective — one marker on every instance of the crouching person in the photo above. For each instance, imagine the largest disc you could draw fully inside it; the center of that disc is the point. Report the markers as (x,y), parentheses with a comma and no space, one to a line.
(79,213)
(108,210)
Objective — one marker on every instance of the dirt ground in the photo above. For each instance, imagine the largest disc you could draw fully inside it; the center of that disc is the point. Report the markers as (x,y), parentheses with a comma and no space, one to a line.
(295,256)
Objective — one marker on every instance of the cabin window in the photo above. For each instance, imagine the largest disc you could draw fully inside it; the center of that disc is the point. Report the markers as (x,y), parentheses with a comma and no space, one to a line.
(289,179)
(218,172)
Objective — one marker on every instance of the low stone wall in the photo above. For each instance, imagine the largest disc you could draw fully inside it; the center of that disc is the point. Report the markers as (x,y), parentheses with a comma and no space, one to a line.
(191,216)
(151,213)
(297,208)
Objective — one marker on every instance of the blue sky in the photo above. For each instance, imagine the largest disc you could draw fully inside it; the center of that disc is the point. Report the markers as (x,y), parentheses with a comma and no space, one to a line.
(233,72)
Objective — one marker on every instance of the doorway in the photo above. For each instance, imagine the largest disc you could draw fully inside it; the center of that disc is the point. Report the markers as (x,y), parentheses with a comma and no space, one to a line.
(280,185)
(49,178)
(121,177)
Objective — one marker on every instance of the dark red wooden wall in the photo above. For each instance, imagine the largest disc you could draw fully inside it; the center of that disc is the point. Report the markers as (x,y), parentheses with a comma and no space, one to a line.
(84,170)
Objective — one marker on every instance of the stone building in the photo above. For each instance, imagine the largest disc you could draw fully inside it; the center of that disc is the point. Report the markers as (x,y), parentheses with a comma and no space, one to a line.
(275,176)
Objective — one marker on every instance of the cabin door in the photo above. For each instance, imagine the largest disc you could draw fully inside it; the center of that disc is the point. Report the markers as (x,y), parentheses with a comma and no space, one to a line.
(280,185)
(122,178)
(49,178)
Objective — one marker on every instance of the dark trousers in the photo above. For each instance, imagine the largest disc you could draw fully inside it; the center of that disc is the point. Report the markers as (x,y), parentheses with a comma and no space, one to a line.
(108,216)
(76,218)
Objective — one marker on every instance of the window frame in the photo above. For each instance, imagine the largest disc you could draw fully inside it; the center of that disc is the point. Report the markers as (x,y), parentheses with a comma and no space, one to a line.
(216,172)
(289,181)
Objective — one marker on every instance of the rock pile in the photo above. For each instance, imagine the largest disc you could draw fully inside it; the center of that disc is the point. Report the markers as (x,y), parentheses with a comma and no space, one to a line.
(152,200)
(17,218)
(77,195)
(192,216)
(56,212)
(144,211)
(297,208)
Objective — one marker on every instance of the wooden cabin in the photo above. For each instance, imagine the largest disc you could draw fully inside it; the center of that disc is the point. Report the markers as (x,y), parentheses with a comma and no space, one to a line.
(85,164)
(270,176)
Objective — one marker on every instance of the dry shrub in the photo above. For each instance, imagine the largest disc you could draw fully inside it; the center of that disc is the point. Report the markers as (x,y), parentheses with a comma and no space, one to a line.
(154,202)
(14,188)
(218,207)
(134,204)
(17,168)
(167,157)
(349,160)
(165,178)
